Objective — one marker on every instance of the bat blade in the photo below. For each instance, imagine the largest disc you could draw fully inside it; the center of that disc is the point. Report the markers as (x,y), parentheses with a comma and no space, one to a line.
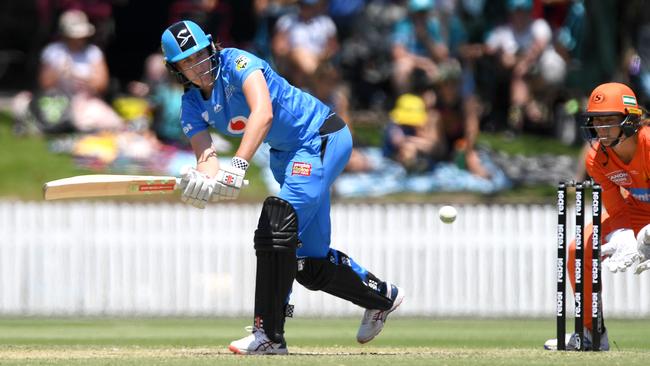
(106,185)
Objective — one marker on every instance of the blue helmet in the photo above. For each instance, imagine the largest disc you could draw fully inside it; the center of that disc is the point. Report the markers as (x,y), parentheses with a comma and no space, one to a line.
(183,39)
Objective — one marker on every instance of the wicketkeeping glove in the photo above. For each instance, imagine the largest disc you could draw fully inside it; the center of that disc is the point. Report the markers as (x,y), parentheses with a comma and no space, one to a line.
(643,245)
(197,188)
(623,244)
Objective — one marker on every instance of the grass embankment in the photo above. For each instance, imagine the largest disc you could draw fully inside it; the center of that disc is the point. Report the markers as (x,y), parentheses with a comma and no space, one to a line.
(26,163)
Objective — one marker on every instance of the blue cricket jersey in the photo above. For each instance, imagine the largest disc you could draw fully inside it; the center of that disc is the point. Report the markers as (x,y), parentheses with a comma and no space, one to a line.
(297,115)
(302,161)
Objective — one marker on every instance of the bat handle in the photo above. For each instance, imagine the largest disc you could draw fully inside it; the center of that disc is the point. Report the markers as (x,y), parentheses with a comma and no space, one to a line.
(178,183)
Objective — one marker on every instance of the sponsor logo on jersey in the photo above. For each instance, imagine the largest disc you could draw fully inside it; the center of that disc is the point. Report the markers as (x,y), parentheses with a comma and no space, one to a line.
(300,168)
(237,125)
(641,194)
(229,90)
(241,62)
(620,178)
(186,127)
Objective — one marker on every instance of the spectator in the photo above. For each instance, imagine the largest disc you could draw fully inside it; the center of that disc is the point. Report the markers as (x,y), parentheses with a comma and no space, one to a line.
(456,117)
(216,15)
(570,34)
(164,98)
(267,13)
(417,44)
(72,78)
(303,41)
(100,13)
(331,90)
(410,135)
(336,95)
(523,47)
(636,33)
(475,23)
(366,60)
(345,14)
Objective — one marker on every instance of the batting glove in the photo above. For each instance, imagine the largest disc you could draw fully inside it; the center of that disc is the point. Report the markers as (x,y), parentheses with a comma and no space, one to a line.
(197,188)
(625,252)
(231,179)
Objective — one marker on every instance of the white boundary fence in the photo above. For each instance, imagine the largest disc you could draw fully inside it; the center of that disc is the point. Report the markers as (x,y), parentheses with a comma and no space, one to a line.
(123,259)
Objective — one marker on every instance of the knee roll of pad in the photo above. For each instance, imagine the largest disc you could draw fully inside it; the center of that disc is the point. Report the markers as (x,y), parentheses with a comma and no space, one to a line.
(277,227)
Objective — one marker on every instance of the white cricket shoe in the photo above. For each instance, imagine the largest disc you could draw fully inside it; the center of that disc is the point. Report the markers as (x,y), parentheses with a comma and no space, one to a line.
(571,341)
(257,343)
(373,320)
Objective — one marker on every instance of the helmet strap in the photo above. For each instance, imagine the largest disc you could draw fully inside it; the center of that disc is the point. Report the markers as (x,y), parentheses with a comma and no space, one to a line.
(213,55)
(619,138)
(179,75)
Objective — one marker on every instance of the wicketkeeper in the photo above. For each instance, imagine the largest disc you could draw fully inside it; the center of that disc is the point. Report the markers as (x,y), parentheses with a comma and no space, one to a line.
(620,162)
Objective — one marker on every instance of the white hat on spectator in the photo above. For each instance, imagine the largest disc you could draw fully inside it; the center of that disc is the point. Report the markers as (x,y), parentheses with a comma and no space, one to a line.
(75,24)
(552,66)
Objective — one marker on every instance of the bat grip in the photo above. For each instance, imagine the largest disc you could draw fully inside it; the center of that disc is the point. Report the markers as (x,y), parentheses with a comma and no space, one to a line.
(178,183)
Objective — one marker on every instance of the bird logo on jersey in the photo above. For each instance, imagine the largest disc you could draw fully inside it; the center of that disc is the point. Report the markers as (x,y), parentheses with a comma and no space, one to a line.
(237,125)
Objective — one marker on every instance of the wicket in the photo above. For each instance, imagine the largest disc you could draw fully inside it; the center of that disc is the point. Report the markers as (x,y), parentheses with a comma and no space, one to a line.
(596,209)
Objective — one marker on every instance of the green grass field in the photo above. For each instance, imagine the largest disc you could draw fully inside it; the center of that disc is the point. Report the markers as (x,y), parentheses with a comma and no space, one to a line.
(198,341)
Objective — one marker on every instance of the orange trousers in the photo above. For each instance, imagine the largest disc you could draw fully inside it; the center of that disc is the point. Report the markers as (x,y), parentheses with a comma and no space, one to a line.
(586,274)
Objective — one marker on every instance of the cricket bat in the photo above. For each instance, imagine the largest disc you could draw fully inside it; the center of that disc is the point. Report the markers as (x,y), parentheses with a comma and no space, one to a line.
(105,185)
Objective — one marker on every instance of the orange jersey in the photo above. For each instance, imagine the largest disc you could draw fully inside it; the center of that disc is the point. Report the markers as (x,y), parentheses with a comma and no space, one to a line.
(626,187)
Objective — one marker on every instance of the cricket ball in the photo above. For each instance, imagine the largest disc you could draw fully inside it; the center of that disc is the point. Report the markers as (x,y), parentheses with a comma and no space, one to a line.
(447,214)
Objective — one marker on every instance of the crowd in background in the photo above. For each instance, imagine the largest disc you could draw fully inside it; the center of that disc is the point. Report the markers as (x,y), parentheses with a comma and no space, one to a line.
(431,74)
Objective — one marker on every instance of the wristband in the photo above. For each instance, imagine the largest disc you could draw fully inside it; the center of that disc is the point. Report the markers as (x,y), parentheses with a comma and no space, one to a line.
(239,163)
